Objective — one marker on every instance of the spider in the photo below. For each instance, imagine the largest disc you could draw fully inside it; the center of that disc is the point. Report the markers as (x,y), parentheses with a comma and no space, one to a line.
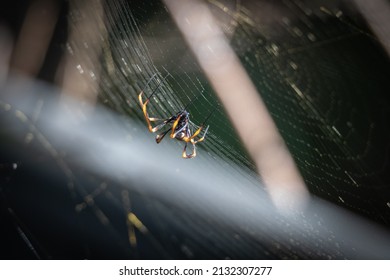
(180,129)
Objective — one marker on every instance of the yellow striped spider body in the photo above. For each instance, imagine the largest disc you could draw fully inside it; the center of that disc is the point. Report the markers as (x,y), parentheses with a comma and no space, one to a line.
(179,129)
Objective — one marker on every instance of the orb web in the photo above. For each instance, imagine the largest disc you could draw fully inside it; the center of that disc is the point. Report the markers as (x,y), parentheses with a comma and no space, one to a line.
(323,77)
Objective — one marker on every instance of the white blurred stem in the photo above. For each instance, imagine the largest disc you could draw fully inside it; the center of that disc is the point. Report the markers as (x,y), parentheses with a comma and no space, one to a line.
(377,14)
(241,102)
(81,66)
(34,38)
(6,45)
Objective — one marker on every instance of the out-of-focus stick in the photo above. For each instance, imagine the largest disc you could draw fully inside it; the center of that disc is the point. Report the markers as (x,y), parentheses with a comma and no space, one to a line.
(34,38)
(377,14)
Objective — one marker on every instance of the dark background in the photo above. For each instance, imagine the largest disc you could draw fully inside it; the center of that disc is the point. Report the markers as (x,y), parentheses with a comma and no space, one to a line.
(346,78)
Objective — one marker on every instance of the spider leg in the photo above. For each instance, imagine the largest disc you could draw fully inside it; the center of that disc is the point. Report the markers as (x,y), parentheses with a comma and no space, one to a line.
(201,138)
(173,133)
(146,115)
(196,133)
(161,136)
(193,142)
(191,155)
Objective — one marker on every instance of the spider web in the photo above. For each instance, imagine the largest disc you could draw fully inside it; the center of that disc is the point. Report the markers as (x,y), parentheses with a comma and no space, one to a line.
(320,71)
(333,114)
(323,77)
(156,60)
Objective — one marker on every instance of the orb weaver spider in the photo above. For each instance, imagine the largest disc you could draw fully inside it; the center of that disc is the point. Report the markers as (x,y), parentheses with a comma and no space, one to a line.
(180,129)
